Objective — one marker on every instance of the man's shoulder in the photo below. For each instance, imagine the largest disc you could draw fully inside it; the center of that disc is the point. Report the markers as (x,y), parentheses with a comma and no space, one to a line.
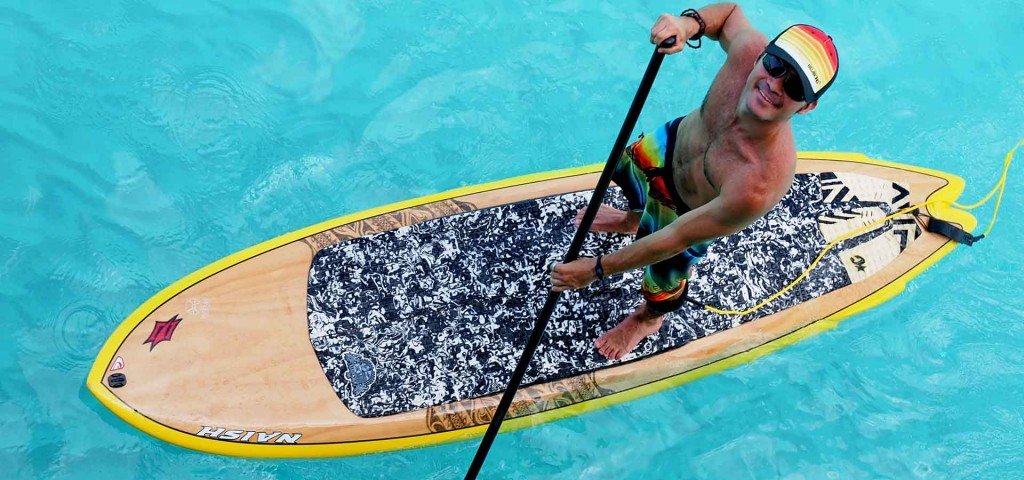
(768,169)
(747,45)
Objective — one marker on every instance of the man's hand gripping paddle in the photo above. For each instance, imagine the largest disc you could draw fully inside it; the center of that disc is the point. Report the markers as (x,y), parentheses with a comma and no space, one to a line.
(572,254)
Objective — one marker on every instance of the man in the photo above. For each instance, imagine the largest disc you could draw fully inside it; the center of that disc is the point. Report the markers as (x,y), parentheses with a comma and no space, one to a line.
(712,172)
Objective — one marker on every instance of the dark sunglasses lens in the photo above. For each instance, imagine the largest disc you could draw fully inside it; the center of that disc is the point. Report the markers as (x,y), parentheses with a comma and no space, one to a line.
(794,88)
(774,65)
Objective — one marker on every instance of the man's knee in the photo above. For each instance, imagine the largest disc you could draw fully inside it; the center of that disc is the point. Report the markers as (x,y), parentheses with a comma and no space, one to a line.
(666,302)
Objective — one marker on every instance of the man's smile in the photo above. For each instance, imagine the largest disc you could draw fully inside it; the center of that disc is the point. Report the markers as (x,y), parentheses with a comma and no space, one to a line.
(767,94)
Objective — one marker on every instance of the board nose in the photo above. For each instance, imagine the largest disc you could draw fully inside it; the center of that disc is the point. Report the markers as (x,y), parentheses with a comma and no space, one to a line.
(199,358)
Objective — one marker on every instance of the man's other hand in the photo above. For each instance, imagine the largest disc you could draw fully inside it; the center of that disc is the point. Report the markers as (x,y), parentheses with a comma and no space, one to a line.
(573,275)
(670,25)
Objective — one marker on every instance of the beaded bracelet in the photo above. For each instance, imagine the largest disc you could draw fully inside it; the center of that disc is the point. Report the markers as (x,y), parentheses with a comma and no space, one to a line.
(689,12)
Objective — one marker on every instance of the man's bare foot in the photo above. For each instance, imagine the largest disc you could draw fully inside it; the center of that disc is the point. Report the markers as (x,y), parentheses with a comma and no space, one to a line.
(622,339)
(611,219)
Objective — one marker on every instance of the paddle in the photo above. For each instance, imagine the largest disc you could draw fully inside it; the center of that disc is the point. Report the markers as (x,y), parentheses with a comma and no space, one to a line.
(572,254)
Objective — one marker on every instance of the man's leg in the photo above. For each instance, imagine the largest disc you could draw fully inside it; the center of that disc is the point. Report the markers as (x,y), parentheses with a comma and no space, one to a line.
(634,187)
(666,296)
(665,282)
(663,286)
(622,339)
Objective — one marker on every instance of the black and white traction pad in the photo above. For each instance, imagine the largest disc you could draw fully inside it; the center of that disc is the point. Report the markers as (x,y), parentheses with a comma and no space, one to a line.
(439,311)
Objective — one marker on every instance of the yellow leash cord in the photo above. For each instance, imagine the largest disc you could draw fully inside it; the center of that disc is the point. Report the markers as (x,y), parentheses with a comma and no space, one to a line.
(1000,187)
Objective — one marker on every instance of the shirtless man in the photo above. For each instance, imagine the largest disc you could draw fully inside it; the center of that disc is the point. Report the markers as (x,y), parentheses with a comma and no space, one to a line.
(728,162)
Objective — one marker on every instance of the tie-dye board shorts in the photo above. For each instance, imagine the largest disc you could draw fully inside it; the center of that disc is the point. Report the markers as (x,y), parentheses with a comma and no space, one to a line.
(644,172)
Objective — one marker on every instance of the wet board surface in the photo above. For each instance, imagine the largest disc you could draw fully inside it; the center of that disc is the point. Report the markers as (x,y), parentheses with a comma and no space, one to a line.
(399,326)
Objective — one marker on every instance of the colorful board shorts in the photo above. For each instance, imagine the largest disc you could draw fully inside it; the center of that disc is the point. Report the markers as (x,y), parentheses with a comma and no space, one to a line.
(644,172)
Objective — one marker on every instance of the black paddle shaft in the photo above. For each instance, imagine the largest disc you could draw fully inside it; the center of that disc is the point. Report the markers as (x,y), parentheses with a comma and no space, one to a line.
(572,254)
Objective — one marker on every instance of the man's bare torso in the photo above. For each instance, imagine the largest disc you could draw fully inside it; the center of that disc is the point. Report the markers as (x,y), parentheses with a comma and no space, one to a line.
(712,131)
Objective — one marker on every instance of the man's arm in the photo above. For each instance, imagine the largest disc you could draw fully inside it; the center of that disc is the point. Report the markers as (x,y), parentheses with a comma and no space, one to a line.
(725,215)
(724,23)
(728,213)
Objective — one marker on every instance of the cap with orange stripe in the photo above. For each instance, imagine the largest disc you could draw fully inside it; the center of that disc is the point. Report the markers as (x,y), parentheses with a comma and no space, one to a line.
(812,54)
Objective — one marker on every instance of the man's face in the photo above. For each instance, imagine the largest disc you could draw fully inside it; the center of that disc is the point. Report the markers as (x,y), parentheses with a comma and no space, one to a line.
(765,99)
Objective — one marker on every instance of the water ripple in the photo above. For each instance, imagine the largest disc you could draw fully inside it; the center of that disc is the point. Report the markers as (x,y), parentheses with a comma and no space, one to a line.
(77,329)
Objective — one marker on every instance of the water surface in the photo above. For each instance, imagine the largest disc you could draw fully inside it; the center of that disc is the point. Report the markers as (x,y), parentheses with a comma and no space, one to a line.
(142,140)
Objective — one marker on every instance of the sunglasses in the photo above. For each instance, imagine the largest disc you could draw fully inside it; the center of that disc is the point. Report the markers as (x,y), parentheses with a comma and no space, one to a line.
(778,68)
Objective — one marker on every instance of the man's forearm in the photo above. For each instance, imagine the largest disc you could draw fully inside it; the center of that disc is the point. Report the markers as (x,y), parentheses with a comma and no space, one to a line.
(722,216)
(715,16)
(649,250)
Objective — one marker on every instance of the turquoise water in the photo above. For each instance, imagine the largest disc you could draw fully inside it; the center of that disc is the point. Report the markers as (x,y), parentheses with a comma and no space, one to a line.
(142,140)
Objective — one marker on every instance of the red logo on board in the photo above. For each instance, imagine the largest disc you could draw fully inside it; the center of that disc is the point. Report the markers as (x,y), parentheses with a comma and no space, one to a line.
(162,332)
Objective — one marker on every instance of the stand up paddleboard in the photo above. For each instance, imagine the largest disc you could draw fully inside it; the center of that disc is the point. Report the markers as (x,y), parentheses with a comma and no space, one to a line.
(400,326)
